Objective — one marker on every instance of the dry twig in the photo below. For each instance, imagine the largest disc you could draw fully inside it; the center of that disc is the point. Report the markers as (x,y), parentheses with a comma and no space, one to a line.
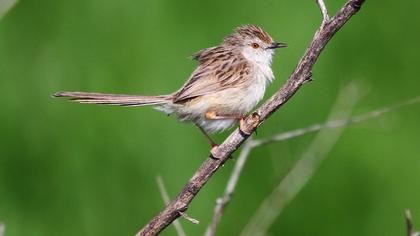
(409,223)
(333,124)
(324,11)
(5,6)
(2,229)
(221,154)
(222,202)
(304,168)
(165,196)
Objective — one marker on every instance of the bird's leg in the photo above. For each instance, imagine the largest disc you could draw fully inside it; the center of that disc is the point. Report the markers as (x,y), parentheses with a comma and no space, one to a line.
(212,115)
(255,120)
(211,142)
(213,145)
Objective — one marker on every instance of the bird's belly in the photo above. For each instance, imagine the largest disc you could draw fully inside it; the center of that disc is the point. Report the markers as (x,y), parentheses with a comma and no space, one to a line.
(232,101)
(238,100)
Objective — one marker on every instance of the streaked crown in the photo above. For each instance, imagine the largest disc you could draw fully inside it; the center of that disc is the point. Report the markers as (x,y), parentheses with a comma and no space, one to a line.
(248,32)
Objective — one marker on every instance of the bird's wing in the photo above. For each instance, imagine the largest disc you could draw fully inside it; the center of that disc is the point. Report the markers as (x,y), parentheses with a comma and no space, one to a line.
(217,72)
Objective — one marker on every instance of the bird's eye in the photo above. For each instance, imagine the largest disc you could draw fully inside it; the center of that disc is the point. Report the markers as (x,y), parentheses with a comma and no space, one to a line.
(255,45)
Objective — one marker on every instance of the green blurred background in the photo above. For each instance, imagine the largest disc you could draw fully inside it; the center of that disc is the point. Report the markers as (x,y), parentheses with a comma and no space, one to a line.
(71,169)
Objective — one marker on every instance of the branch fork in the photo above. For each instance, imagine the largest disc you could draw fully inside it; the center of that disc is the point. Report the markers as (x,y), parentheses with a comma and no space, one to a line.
(324,12)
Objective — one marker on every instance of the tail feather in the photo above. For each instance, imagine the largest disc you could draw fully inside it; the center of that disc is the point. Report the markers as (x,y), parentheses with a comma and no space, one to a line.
(114,99)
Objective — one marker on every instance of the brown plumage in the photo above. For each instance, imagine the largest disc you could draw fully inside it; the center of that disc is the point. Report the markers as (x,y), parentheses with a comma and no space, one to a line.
(114,99)
(229,80)
(215,72)
(248,31)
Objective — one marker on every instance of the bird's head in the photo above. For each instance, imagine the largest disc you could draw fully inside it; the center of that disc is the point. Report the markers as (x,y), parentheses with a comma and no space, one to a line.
(255,44)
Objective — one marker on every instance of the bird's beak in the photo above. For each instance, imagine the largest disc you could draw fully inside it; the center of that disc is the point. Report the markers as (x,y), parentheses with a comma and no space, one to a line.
(275,45)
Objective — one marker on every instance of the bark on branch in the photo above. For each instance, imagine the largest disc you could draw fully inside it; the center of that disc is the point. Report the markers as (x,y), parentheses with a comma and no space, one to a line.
(300,75)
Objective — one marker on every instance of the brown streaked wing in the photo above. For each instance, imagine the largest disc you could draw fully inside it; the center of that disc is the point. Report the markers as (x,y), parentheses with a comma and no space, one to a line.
(217,73)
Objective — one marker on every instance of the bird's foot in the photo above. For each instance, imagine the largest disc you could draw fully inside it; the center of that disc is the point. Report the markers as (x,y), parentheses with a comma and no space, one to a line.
(247,126)
(214,152)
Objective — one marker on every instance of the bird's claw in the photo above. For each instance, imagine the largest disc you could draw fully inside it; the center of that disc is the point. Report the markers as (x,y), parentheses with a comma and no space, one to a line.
(214,152)
(309,77)
(247,127)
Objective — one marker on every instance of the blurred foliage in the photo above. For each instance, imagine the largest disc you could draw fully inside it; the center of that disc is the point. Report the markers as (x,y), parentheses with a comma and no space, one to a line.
(72,169)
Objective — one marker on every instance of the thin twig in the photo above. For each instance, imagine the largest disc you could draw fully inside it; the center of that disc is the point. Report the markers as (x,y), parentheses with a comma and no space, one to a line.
(165,196)
(189,218)
(303,170)
(409,223)
(222,153)
(2,229)
(333,124)
(166,199)
(324,11)
(222,202)
(6,6)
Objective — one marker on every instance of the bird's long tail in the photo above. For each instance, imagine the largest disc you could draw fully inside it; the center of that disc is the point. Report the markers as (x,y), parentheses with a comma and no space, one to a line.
(114,99)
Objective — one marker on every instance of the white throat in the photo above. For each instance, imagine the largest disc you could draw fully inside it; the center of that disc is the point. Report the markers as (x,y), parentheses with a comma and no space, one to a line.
(261,59)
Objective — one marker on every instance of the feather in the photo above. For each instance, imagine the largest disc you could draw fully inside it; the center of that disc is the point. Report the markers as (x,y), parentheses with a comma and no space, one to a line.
(114,99)
(219,68)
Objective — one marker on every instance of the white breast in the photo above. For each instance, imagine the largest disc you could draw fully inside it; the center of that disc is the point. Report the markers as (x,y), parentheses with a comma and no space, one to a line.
(261,73)
(261,76)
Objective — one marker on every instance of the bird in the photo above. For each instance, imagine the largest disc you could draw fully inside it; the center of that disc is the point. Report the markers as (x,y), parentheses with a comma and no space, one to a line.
(228,82)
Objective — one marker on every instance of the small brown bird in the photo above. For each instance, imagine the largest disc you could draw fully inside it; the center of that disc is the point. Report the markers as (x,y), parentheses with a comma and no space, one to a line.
(229,81)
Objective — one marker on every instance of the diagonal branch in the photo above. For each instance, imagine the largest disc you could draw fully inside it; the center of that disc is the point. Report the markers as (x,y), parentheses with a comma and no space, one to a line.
(222,153)
(222,202)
